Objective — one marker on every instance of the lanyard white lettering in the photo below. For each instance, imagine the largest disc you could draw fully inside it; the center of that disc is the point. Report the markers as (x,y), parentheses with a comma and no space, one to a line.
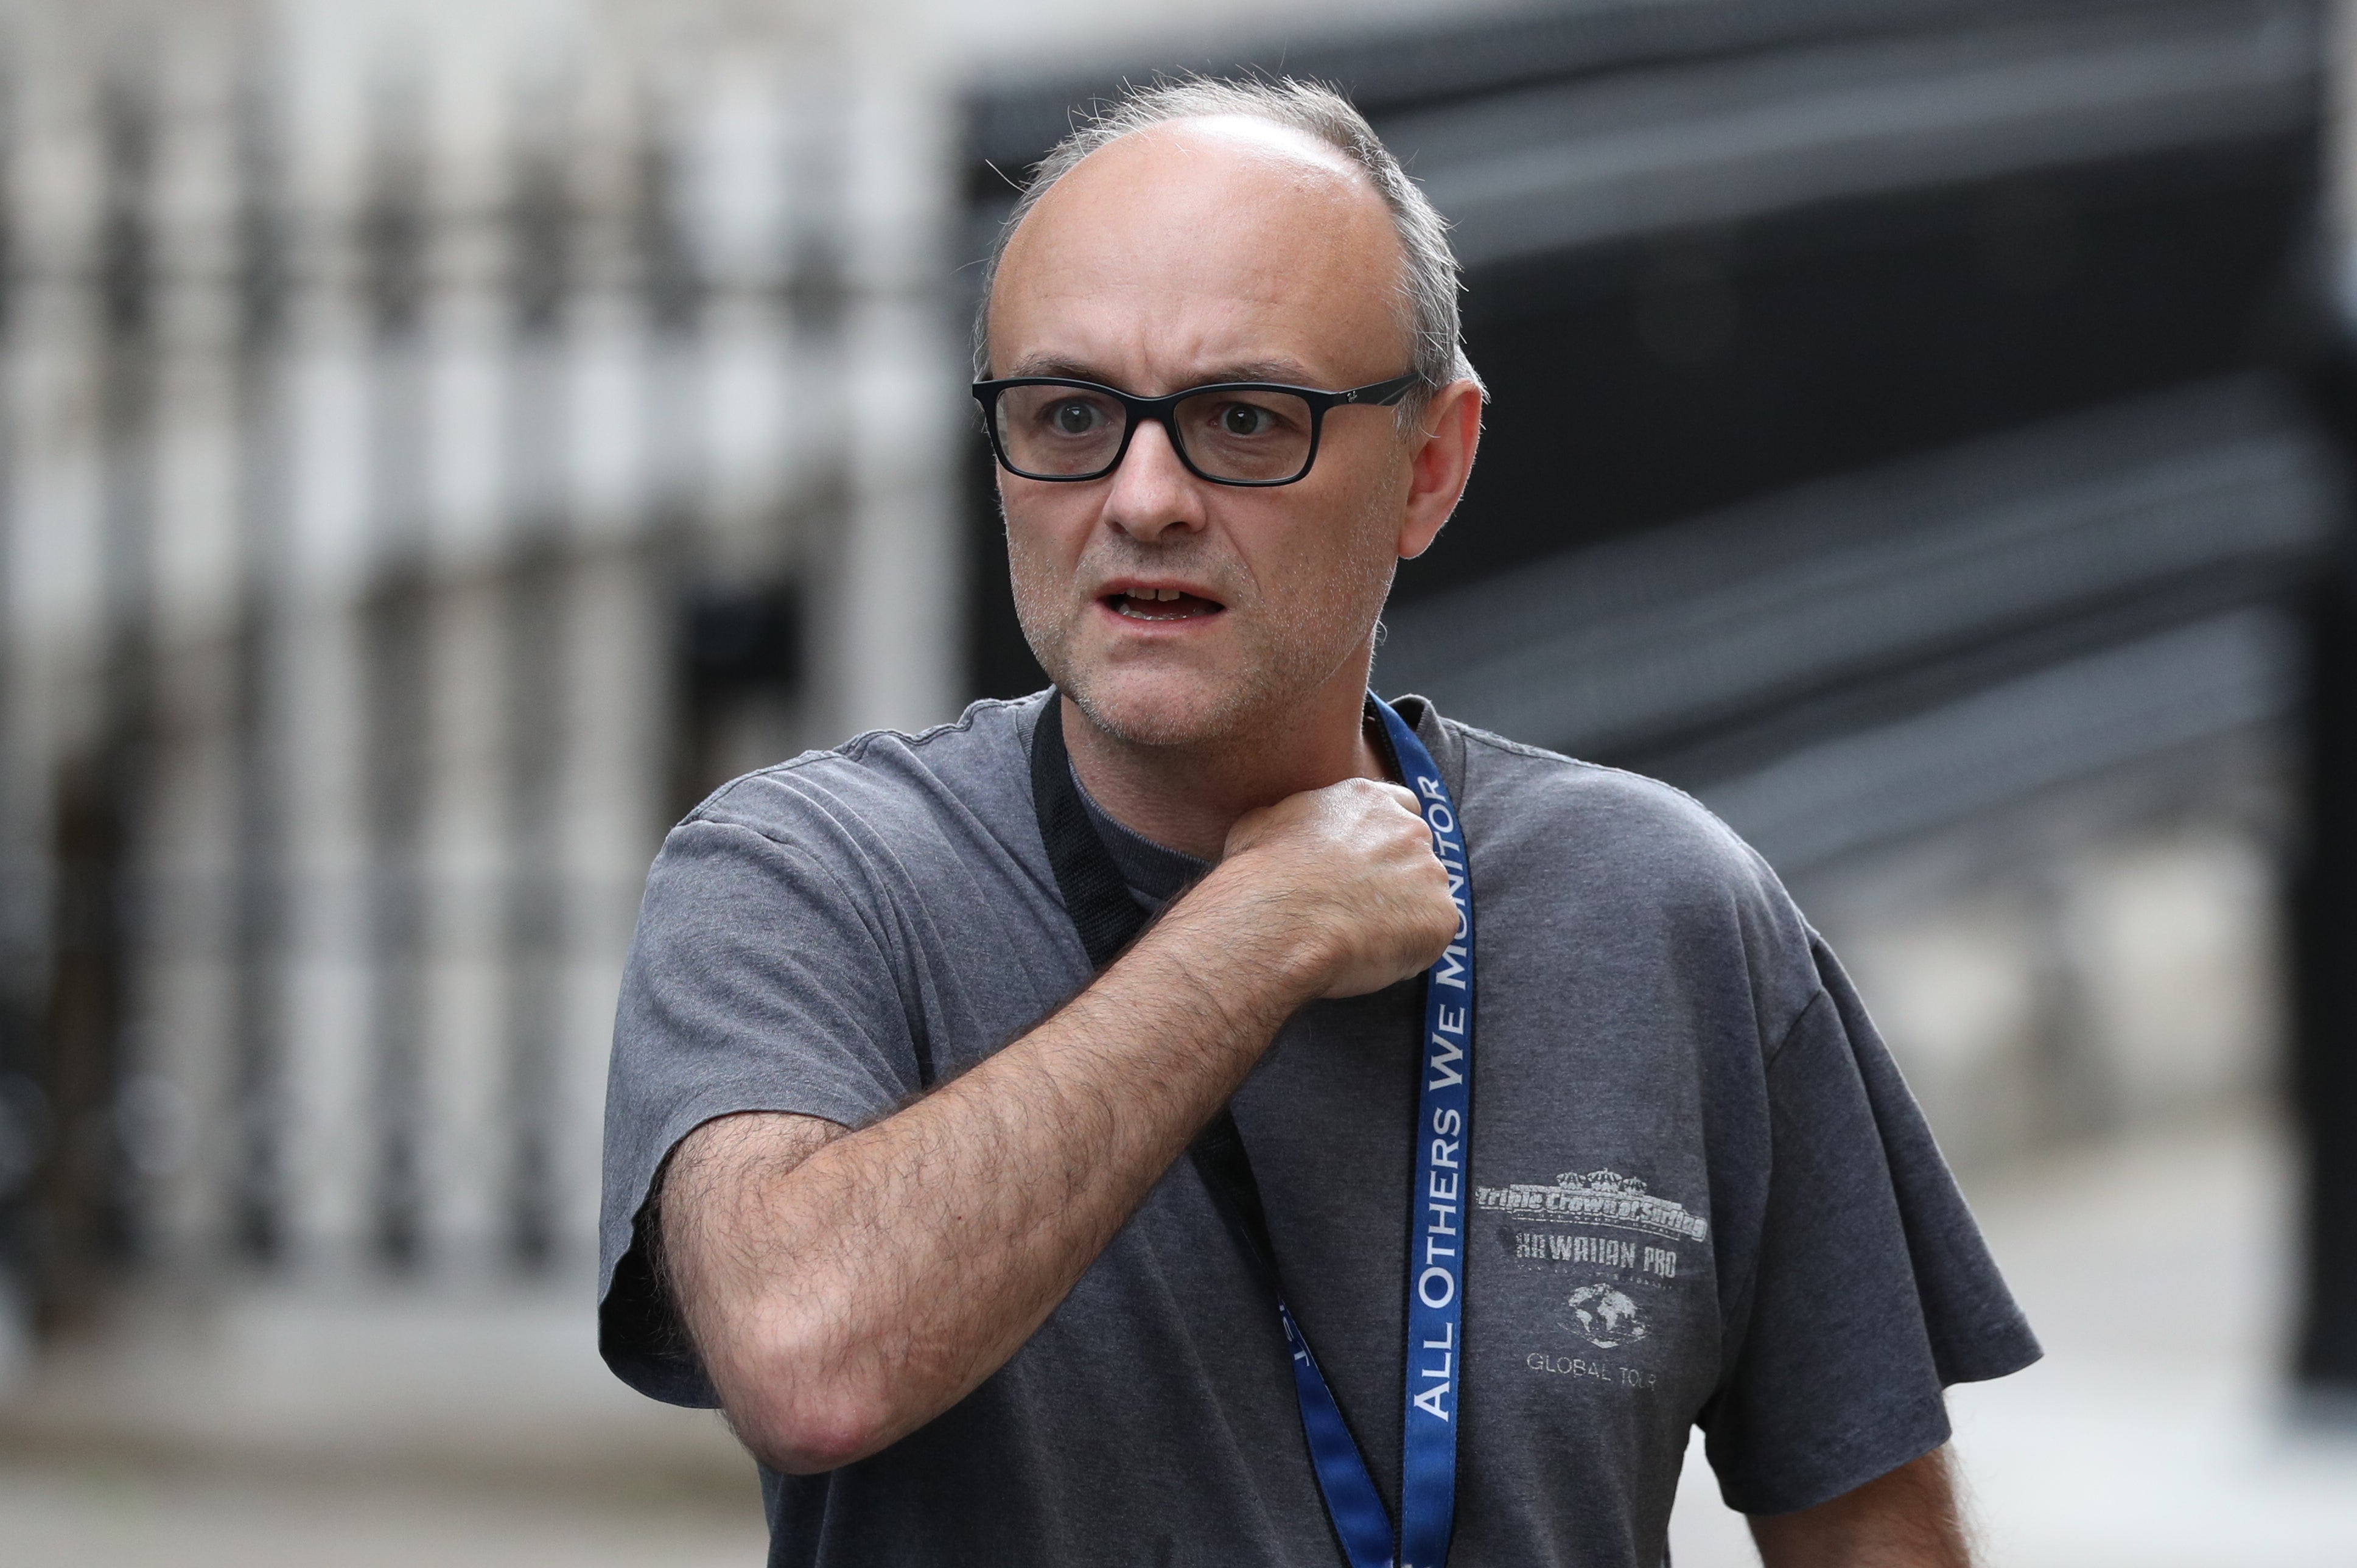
(1435,1298)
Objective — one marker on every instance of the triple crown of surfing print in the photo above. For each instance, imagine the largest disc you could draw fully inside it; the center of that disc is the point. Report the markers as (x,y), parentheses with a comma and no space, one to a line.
(1594,1198)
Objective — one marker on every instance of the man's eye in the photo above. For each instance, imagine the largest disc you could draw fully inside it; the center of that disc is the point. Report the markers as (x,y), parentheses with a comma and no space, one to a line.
(1244,419)
(1074,418)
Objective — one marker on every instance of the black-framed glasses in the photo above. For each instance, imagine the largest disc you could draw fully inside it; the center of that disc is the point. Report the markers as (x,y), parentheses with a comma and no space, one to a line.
(1235,433)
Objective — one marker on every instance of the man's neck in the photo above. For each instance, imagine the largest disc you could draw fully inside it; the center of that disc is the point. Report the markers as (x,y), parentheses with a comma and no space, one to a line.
(1187,798)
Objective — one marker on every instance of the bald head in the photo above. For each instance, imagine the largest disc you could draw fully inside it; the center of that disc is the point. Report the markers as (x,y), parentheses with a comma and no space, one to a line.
(1216,248)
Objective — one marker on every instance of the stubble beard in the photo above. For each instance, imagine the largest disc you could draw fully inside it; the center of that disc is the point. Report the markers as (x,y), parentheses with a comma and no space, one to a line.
(1287,657)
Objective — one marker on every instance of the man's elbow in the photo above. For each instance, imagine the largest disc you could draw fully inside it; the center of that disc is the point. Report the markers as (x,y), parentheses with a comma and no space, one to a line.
(800,1421)
(812,1437)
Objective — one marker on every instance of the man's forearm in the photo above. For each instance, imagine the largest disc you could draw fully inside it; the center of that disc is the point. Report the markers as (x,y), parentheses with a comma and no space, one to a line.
(881,1279)
(1908,1519)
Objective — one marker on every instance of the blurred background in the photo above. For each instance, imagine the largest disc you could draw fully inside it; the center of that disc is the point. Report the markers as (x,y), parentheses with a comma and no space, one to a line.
(439,442)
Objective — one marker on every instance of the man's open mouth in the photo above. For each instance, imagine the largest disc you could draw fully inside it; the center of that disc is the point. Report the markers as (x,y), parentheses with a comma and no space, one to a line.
(1160,604)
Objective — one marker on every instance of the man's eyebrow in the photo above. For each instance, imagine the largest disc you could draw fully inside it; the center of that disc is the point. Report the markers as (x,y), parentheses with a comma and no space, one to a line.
(1045,365)
(1286,371)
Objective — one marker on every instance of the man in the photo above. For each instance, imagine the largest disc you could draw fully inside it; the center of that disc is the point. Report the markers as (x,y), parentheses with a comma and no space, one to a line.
(897,1180)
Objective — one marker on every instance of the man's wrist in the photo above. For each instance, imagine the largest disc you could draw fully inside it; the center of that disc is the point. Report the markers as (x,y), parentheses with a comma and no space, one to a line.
(1254,950)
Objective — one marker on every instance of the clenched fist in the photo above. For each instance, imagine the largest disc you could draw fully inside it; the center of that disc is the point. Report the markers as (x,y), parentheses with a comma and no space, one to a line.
(1343,886)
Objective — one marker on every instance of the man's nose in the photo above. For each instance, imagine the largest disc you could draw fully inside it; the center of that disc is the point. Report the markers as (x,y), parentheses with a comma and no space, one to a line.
(1152,490)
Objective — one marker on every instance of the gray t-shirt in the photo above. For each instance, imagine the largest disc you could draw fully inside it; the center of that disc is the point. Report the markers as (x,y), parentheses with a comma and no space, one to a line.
(1702,1192)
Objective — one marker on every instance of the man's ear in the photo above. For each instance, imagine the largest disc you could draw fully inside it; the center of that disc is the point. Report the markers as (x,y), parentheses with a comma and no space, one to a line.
(1440,464)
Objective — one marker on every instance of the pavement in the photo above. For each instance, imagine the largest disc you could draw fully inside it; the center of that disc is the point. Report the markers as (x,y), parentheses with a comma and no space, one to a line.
(363,1426)
(2157,1431)
(101,1514)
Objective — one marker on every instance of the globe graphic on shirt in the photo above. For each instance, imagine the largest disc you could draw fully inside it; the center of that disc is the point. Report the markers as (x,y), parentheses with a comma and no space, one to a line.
(1605,1317)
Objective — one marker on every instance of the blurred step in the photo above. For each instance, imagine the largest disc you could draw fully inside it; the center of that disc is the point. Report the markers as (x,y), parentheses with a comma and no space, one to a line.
(494,1385)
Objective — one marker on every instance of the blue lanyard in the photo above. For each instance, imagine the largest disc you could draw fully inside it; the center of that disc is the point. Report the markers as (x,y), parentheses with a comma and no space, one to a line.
(1108,920)
(1435,1255)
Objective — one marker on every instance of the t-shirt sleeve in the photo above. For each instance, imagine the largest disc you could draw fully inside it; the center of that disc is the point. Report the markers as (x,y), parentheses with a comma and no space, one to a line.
(1872,1289)
(757,980)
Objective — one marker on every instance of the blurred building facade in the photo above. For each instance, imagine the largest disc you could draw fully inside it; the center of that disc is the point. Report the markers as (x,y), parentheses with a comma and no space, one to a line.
(420,472)
(438,442)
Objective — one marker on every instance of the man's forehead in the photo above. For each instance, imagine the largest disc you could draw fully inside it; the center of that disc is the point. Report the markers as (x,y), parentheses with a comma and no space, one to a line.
(1232,169)
(1239,214)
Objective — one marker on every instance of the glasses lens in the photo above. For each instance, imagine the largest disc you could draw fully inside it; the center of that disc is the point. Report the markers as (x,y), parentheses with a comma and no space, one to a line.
(1259,438)
(1059,431)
